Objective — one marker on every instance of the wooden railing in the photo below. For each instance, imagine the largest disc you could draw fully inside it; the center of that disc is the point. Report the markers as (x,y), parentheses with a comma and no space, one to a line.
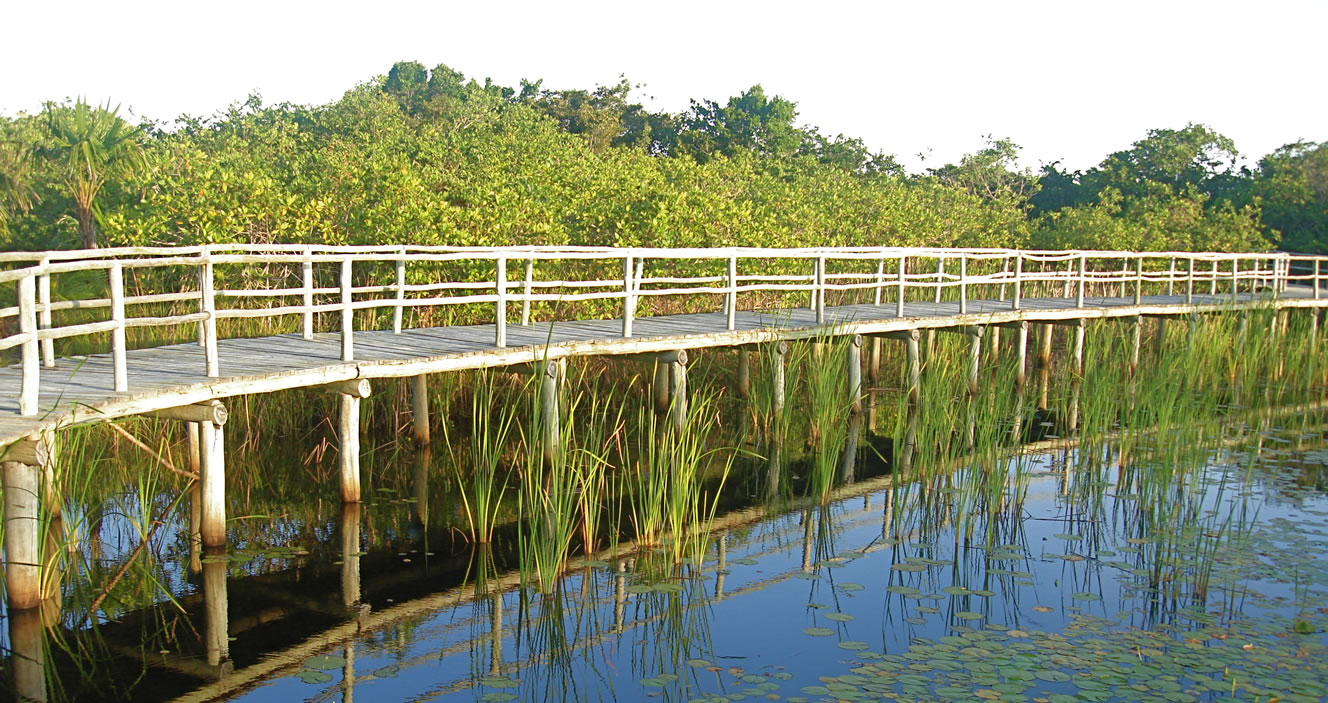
(887,275)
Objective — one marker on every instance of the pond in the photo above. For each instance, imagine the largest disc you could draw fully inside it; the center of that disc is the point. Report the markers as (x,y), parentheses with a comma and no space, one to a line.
(1176,549)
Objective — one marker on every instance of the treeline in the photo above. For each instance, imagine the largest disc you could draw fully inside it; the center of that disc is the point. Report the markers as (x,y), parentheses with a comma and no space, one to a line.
(429,157)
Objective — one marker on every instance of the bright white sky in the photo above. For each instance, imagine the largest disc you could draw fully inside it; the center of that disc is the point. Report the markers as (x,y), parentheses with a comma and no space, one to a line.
(1065,79)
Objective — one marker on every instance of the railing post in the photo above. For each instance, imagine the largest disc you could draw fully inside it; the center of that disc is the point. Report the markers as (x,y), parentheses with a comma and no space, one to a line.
(1082,283)
(525,291)
(1235,279)
(401,292)
(1212,285)
(1018,280)
(27,324)
(733,291)
(1189,281)
(1316,279)
(500,312)
(820,290)
(1005,272)
(44,321)
(118,357)
(1171,278)
(628,299)
(880,279)
(207,292)
(307,279)
(903,271)
(963,284)
(347,312)
(1139,281)
(940,277)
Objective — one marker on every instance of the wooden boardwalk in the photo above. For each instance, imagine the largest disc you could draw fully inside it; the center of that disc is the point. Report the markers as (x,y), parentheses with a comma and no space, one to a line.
(79,390)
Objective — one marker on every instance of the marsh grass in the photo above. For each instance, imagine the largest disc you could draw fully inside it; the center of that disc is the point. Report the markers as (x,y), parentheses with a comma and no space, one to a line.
(482,487)
(674,481)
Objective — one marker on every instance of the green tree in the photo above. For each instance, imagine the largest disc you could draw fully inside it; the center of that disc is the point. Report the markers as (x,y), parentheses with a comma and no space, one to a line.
(1168,160)
(991,173)
(88,146)
(1292,186)
(750,122)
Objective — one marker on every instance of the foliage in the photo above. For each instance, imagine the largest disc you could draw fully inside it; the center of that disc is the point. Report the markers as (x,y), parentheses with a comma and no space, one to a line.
(426,156)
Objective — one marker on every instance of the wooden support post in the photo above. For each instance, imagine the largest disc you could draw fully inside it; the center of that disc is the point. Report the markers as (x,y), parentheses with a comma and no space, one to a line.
(1139,281)
(1044,350)
(880,281)
(963,284)
(399,308)
(1021,369)
(1137,326)
(678,390)
(348,430)
(423,461)
(874,366)
(820,290)
(940,276)
(1018,281)
(903,273)
(207,301)
(1160,335)
(732,296)
(22,528)
(27,321)
(974,334)
(307,280)
(27,655)
(500,311)
(994,334)
(525,291)
(195,449)
(974,356)
(195,524)
(213,485)
(350,555)
(1078,371)
(1081,281)
(660,385)
(629,298)
(550,416)
(1020,379)
(44,320)
(1189,280)
(855,373)
(217,629)
(347,314)
(780,360)
(744,382)
(914,363)
(119,350)
(420,409)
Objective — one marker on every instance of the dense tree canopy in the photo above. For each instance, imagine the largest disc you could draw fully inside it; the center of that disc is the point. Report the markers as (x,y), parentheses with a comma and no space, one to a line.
(428,156)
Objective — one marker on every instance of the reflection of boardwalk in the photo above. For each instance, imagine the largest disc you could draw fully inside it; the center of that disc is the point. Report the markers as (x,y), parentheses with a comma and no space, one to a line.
(80,389)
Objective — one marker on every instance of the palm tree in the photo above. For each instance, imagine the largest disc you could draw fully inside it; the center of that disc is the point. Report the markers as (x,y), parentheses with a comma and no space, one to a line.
(88,145)
(16,193)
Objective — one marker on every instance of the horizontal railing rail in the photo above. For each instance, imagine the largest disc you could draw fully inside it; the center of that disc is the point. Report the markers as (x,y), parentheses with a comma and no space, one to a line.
(371,278)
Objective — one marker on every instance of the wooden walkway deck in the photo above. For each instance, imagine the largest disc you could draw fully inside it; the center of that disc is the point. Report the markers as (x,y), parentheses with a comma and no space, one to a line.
(79,390)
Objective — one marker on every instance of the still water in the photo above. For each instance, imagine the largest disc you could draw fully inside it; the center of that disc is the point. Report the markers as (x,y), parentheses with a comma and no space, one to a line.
(1051,583)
